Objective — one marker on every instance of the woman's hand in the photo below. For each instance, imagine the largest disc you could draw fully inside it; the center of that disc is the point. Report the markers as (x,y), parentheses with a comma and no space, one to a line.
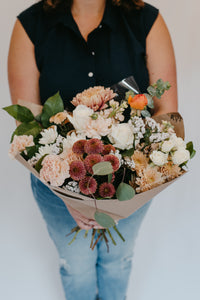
(82,221)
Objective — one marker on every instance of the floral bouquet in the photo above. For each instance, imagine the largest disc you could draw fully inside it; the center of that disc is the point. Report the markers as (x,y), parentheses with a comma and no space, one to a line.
(108,157)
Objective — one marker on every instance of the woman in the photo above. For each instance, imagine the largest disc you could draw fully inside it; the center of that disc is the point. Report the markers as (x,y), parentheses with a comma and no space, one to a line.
(68,46)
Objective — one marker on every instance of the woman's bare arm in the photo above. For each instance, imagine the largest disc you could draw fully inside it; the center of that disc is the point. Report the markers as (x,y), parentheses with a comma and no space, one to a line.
(161,64)
(23,75)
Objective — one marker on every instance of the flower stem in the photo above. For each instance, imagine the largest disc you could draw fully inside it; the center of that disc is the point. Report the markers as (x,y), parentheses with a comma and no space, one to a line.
(120,235)
(110,235)
(73,230)
(92,240)
(75,236)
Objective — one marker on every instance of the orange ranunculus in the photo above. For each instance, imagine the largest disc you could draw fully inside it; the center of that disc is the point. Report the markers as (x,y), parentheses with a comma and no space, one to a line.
(138,101)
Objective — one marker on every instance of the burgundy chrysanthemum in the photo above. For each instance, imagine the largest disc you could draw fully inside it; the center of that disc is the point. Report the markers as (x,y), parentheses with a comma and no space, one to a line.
(77,170)
(106,190)
(113,160)
(88,185)
(108,148)
(93,146)
(78,147)
(91,160)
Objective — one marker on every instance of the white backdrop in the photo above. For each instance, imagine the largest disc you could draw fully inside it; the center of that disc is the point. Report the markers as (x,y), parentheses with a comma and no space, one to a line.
(167,261)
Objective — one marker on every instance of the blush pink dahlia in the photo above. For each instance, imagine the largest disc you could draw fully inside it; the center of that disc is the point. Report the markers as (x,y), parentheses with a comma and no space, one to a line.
(19,144)
(88,185)
(106,190)
(113,160)
(93,146)
(94,97)
(78,147)
(91,160)
(108,148)
(77,170)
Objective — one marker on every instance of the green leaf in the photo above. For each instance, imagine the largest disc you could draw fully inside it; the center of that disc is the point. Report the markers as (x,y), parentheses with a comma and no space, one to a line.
(38,165)
(125,192)
(128,152)
(51,107)
(109,178)
(20,113)
(31,128)
(151,90)
(32,150)
(104,220)
(145,113)
(150,101)
(192,154)
(102,168)
(129,93)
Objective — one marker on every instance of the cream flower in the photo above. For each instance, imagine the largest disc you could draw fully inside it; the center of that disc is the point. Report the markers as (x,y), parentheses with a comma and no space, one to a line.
(49,135)
(19,144)
(98,128)
(149,179)
(81,117)
(167,146)
(94,97)
(121,136)
(58,118)
(54,170)
(179,143)
(170,171)
(180,156)
(140,160)
(159,158)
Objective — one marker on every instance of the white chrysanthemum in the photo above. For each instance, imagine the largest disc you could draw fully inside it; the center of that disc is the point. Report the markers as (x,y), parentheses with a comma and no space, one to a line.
(159,158)
(167,146)
(121,136)
(179,143)
(180,156)
(48,149)
(49,135)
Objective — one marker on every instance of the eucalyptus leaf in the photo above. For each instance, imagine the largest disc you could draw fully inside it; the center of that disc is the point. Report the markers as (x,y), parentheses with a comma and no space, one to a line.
(104,220)
(145,113)
(31,128)
(151,90)
(125,192)
(52,106)
(150,101)
(20,113)
(102,168)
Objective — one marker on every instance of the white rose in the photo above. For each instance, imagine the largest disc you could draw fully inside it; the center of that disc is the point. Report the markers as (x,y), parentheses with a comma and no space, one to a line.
(81,116)
(121,136)
(159,158)
(180,156)
(167,146)
(178,142)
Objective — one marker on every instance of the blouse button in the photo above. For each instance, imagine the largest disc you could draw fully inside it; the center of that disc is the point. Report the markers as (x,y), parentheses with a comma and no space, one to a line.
(90,74)
(100,26)
(93,53)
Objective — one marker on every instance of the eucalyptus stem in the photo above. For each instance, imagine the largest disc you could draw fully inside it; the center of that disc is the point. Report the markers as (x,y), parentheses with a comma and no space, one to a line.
(86,234)
(74,236)
(93,234)
(73,230)
(110,235)
(98,238)
(115,228)
(105,238)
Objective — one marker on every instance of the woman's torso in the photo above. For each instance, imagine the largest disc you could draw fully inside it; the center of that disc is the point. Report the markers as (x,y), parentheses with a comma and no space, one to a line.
(67,63)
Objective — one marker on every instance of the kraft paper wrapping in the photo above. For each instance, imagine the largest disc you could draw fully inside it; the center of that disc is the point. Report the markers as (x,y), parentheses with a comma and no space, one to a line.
(113,207)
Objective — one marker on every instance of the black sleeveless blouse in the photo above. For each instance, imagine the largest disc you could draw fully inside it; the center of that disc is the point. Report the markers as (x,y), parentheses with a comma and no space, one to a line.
(116,49)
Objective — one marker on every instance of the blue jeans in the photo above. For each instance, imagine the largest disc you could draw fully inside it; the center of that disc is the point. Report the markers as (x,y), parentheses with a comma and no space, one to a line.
(88,274)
